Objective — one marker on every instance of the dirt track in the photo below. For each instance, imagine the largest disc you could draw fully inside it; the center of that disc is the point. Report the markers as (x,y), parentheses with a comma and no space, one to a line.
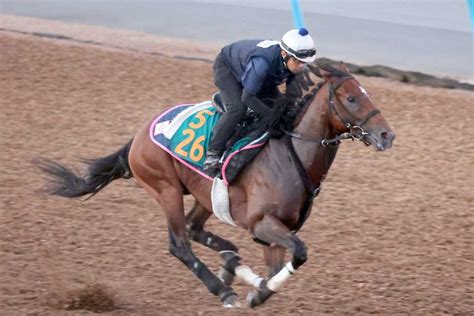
(390,233)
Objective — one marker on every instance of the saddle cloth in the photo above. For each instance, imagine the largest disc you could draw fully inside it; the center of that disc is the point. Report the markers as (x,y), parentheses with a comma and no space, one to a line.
(184,131)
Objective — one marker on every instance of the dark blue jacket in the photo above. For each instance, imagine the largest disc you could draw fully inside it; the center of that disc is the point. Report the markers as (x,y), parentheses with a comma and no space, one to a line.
(256,64)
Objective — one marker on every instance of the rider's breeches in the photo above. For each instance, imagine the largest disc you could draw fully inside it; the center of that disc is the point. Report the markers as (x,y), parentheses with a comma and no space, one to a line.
(231,92)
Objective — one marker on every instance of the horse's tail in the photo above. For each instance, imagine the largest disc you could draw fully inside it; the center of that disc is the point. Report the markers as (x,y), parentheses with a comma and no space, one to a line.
(100,172)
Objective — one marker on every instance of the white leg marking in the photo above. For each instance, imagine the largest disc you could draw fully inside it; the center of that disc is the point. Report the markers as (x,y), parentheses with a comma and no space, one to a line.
(246,274)
(281,277)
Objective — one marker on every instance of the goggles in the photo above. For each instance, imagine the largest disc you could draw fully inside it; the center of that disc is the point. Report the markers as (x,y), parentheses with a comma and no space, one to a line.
(302,53)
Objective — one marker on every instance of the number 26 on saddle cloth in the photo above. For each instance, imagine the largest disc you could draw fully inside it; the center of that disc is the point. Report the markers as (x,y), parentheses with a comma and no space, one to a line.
(184,131)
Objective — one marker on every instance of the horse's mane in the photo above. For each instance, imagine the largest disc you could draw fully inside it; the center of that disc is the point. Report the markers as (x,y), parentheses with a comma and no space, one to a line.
(294,109)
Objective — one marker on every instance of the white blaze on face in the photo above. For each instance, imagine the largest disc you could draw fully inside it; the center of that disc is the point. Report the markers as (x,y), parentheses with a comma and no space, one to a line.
(365,93)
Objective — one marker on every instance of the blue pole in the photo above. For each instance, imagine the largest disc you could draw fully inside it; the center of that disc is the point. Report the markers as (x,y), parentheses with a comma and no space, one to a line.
(297,16)
(470,7)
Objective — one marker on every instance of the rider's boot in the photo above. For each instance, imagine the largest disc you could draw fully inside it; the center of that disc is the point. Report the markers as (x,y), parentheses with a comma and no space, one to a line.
(212,162)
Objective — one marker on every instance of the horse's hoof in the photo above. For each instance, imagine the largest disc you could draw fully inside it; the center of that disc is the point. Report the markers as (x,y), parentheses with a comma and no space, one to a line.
(258,297)
(226,272)
(253,299)
(225,276)
(231,301)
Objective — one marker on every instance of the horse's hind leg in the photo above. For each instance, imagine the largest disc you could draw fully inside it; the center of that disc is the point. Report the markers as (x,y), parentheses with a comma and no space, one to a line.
(195,220)
(171,201)
(273,231)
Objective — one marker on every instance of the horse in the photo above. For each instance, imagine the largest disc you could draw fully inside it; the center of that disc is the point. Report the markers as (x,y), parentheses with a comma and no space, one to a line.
(271,198)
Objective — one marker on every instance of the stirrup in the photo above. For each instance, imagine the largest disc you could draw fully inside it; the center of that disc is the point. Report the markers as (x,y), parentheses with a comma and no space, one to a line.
(212,168)
(212,171)
(212,162)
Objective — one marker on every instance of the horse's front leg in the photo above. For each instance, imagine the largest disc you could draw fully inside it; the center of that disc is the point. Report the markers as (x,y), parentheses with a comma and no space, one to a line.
(274,258)
(195,221)
(274,232)
(232,266)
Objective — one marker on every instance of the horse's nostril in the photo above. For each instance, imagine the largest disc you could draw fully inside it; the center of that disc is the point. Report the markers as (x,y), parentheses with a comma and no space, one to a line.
(387,135)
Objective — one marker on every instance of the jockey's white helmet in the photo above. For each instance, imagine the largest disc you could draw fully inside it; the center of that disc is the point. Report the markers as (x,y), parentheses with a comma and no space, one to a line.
(299,44)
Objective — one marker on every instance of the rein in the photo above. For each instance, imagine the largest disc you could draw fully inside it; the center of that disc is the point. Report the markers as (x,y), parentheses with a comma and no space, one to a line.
(324,142)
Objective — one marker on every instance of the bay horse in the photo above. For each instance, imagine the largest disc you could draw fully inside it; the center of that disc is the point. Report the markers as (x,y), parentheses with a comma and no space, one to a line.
(271,198)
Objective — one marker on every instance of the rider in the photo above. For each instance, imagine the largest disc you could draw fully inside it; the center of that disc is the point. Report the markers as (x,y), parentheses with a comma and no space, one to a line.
(248,71)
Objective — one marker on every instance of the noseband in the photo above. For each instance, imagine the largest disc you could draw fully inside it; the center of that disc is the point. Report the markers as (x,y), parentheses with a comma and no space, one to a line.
(356,130)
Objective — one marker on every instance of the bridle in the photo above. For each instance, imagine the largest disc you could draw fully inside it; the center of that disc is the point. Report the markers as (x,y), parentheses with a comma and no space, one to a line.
(356,130)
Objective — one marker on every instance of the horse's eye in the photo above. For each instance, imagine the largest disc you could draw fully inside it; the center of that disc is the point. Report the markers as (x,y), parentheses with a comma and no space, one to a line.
(351,99)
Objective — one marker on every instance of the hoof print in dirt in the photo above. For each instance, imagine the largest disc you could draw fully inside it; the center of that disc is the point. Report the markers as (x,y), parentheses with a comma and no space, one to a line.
(94,298)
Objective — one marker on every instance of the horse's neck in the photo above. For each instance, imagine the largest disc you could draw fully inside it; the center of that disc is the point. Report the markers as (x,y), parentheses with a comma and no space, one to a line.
(314,124)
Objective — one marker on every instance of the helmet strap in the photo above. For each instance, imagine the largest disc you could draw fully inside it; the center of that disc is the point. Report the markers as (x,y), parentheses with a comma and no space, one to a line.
(285,60)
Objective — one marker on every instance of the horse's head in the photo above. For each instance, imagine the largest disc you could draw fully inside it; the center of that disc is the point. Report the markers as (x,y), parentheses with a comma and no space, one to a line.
(351,110)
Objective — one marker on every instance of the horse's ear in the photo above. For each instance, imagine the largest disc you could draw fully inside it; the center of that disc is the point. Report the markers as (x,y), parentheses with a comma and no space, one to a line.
(344,67)
(319,72)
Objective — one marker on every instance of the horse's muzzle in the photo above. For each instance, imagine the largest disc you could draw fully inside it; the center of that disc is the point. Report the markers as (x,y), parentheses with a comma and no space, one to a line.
(382,140)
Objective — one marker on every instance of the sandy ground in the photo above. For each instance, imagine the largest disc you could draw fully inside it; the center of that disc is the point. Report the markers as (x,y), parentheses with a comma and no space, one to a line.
(390,233)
